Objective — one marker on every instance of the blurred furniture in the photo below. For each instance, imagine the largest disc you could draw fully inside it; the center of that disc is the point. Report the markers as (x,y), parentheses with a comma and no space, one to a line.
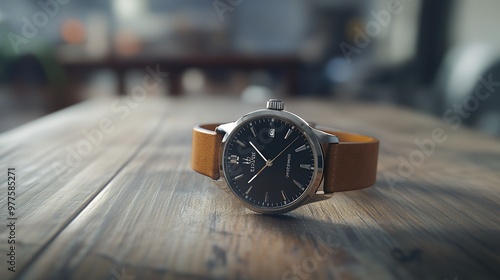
(175,66)
(122,201)
(433,38)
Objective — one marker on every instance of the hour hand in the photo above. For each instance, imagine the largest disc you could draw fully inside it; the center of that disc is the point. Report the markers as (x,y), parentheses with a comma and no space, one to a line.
(260,154)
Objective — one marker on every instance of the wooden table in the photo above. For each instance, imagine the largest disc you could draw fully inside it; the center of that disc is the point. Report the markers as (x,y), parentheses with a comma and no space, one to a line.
(129,205)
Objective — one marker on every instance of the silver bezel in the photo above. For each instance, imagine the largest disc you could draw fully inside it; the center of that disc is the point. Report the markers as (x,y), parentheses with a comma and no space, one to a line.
(316,147)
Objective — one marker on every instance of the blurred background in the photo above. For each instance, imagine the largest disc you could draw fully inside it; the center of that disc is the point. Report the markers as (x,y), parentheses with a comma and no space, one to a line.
(430,56)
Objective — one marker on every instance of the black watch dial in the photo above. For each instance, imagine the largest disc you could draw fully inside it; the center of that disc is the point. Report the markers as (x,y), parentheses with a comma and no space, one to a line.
(268,162)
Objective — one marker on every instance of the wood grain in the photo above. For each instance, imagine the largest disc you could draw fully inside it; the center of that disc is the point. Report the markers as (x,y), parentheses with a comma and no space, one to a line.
(134,206)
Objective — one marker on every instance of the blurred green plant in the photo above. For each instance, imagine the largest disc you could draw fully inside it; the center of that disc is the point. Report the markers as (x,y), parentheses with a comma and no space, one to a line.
(55,77)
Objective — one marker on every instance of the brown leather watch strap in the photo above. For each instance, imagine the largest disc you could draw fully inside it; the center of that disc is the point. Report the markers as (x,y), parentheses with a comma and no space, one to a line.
(352,163)
(349,165)
(205,150)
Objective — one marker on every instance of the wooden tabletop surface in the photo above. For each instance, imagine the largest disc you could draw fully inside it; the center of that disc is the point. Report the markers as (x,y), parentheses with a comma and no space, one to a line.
(104,190)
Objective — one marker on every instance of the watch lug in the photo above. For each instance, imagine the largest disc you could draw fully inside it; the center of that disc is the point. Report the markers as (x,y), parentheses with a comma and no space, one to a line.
(324,137)
(225,128)
(222,185)
(319,195)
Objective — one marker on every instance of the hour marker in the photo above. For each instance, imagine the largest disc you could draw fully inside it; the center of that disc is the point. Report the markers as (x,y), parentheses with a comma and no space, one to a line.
(238,177)
(298,184)
(288,133)
(301,148)
(249,189)
(253,131)
(234,159)
(306,166)
(241,143)
(283,194)
(266,199)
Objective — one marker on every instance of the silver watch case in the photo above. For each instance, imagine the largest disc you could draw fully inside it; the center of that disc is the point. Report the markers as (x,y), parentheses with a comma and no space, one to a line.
(319,143)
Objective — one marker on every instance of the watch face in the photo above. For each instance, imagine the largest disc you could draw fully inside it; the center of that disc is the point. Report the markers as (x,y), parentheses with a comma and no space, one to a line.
(268,162)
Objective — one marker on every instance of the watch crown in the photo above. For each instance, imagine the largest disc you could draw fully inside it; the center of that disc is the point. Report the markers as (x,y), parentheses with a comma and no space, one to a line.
(275,104)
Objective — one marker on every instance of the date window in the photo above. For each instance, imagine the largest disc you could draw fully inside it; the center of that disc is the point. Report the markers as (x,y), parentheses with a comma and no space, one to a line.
(234,159)
(272,131)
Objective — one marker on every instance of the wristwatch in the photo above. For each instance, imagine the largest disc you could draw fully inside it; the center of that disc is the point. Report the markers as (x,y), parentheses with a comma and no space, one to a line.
(273,161)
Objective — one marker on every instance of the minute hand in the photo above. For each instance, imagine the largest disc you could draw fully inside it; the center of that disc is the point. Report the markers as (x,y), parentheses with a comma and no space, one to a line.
(284,149)
(261,155)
